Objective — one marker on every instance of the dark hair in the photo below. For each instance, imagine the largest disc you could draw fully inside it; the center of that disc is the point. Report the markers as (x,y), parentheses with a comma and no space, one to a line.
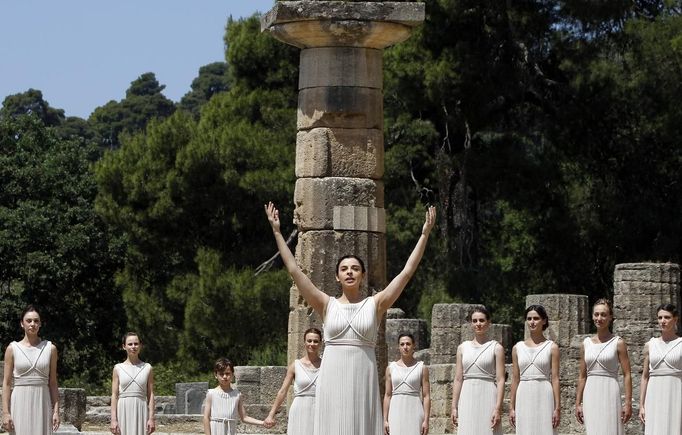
(222,364)
(669,308)
(541,312)
(406,334)
(312,331)
(480,309)
(131,334)
(604,301)
(29,308)
(362,263)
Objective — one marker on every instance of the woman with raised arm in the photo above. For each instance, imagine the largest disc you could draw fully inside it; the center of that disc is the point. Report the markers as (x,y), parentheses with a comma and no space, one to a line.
(535,403)
(597,402)
(347,398)
(407,401)
(660,400)
(478,389)
(303,374)
(30,398)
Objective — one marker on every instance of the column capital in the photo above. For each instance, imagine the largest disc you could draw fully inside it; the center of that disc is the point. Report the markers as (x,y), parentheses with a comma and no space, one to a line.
(307,24)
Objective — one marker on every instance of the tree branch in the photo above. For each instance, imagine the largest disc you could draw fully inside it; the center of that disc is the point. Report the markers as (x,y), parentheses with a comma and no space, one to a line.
(267,264)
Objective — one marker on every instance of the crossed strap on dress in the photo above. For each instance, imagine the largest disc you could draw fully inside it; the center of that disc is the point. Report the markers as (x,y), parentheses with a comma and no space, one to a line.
(663,359)
(34,364)
(486,374)
(596,359)
(311,382)
(362,341)
(133,380)
(532,363)
(411,391)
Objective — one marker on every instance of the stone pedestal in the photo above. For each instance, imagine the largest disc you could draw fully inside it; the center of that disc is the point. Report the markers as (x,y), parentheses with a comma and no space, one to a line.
(638,289)
(189,397)
(339,194)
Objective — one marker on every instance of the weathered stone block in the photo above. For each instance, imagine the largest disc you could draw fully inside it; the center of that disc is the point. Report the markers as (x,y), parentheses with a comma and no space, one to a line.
(247,374)
(341,66)
(72,406)
(318,251)
(338,23)
(317,198)
(340,107)
(340,152)
(189,397)
(356,218)
(395,327)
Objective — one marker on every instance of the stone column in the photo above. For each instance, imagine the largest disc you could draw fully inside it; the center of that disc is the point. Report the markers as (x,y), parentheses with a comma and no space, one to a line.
(339,193)
(638,289)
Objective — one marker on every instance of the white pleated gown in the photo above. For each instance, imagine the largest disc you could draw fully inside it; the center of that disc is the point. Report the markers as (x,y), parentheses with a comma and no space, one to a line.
(132,408)
(30,403)
(663,402)
(534,397)
(601,399)
(478,396)
(224,411)
(302,410)
(406,410)
(347,396)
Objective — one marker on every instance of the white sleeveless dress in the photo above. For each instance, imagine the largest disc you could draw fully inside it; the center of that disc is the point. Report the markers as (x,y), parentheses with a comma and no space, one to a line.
(601,400)
(30,403)
(534,397)
(347,396)
(132,408)
(663,401)
(478,396)
(406,411)
(302,410)
(224,411)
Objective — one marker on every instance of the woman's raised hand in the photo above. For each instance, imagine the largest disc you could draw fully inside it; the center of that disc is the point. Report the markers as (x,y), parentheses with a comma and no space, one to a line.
(273,216)
(429,220)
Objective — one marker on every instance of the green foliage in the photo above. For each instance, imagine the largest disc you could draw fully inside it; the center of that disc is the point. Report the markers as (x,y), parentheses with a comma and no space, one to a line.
(54,250)
(213,78)
(143,103)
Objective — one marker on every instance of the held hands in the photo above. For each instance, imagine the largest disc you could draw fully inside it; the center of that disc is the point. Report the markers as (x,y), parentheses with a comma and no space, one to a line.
(579,414)
(429,220)
(273,216)
(269,422)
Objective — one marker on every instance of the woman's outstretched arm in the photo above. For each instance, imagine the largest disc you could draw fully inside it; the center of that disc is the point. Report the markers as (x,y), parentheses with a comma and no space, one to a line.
(314,296)
(385,299)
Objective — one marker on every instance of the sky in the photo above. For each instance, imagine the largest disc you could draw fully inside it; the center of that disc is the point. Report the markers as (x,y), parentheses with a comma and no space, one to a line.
(83,53)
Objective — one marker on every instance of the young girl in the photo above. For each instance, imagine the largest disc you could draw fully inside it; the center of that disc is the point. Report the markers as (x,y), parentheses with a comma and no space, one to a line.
(132,392)
(303,373)
(223,403)
(32,407)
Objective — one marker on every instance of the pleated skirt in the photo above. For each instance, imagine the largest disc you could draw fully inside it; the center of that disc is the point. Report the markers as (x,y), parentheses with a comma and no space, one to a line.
(663,406)
(534,407)
(132,415)
(602,406)
(301,416)
(405,415)
(31,409)
(475,408)
(347,395)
